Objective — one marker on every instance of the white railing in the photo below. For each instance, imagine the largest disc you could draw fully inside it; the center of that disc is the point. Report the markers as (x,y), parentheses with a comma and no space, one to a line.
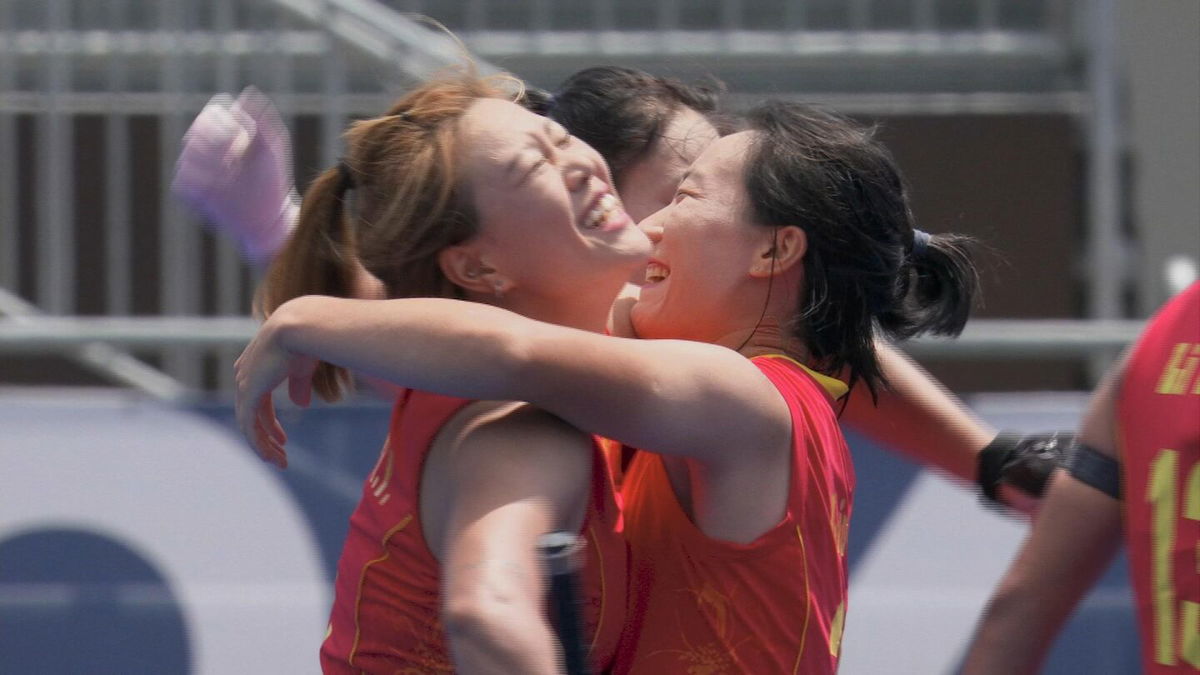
(127,75)
(983,338)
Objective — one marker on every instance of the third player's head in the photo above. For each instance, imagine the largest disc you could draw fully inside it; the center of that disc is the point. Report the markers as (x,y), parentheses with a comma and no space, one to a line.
(648,128)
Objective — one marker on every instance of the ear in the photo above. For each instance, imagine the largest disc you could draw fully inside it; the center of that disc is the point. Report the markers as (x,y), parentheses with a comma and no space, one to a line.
(464,267)
(781,251)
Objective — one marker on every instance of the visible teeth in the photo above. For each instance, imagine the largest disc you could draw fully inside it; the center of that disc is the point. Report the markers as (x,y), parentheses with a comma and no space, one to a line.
(656,272)
(605,206)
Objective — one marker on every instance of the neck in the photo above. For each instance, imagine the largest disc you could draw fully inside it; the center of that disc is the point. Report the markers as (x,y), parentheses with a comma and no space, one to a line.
(590,313)
(768,337)
(766,331)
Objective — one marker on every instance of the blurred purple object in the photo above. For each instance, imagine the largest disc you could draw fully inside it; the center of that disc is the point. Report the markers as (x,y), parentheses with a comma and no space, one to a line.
(235,172)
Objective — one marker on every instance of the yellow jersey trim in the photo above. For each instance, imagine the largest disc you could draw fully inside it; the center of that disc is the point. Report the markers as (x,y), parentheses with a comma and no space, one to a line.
(833,386)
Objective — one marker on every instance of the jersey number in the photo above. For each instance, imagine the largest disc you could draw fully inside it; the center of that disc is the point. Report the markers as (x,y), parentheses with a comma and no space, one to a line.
(1163,494)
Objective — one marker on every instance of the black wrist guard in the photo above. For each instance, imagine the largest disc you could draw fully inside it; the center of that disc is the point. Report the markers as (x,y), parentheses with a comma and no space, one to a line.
(1092,467)
(1023,462)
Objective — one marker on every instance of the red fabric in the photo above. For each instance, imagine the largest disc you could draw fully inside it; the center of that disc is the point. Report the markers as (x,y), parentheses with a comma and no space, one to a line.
(775,605)
(1159,421)
(385,614)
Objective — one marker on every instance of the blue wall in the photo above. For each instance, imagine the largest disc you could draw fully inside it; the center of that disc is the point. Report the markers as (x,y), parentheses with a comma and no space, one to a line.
(74,597)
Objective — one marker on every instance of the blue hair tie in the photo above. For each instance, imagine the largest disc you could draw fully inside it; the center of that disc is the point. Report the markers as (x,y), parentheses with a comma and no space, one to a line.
(920,242)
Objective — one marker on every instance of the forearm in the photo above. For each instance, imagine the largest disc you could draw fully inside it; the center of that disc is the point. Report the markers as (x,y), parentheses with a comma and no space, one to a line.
(1074,538)
(919,417)
(672,396)
(419,343)
(1013,635)
(513,641)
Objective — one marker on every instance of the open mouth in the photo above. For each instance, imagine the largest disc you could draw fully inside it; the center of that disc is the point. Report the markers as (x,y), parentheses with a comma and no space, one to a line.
(656,272)
(606,213)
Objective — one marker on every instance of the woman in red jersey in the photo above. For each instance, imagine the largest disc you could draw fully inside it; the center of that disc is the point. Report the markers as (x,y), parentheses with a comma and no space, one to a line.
(1138,470)
(784,250)
(458,192)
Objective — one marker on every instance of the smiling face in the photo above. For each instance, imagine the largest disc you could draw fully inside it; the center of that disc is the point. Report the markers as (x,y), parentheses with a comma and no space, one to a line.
(699,281)
(552,230)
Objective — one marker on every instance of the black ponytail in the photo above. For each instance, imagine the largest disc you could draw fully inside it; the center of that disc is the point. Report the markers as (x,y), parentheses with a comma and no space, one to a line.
(866,270)
(940,288)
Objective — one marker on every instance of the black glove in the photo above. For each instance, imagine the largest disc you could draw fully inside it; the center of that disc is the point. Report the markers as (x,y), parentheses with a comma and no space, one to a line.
(1023,462)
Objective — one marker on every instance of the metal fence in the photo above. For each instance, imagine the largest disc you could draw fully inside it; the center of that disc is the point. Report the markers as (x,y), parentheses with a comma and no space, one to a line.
(95,96)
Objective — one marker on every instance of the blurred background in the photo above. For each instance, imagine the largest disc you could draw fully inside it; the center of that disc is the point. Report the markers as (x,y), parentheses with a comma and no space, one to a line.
(137,534)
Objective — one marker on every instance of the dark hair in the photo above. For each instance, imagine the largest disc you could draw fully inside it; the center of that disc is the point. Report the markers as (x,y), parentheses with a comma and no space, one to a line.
(621,112)
(829,176)
(409,205)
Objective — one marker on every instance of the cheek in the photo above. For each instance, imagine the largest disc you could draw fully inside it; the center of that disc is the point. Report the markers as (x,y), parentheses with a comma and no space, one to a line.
(527,212)
(710,259)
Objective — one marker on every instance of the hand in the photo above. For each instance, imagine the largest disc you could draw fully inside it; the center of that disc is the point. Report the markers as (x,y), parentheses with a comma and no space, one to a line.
(619,322)
(235,171)
(1014,470)
(257,372)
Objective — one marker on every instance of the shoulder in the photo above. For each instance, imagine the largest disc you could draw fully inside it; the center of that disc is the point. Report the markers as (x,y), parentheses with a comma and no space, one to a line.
(481,421)
(796,382)
(507,437)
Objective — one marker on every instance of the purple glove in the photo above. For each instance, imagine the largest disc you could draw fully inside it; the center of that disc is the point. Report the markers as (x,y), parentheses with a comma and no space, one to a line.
(235,170)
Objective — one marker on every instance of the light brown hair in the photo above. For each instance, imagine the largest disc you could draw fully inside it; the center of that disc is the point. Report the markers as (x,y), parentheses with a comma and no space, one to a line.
(402,173)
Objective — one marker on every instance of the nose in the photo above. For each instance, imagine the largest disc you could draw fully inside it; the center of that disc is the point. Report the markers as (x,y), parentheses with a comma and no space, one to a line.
(576,178)
(651,225)
(577,171)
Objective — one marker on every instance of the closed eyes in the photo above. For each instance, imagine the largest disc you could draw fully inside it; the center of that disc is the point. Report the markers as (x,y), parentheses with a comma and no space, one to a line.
(562,142)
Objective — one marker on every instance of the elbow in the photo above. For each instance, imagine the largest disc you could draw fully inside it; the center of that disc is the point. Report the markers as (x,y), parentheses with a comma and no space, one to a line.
(479,619)
(495,636)
(467,629)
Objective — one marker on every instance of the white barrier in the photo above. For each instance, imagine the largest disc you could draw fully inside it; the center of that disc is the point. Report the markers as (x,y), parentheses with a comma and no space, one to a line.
(188,497)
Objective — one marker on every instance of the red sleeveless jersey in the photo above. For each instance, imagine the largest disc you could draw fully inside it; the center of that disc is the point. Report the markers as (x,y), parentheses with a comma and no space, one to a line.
(775,605)
(385,616)
(1158,413)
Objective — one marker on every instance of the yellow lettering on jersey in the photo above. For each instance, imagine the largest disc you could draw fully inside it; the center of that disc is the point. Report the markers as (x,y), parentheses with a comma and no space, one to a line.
(1180,370)
(840,524)
(1189,630)
(381,483)
(1161,493)
(1189,633)
(835,631)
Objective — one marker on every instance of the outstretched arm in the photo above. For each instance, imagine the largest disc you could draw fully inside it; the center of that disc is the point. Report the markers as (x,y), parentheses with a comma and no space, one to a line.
(677,397)
(1075,536)
(918,417)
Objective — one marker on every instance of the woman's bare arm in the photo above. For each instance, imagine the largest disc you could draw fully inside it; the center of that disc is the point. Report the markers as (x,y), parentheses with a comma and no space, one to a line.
(1075,536)
(919,417)
(676,397)
(502,482)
